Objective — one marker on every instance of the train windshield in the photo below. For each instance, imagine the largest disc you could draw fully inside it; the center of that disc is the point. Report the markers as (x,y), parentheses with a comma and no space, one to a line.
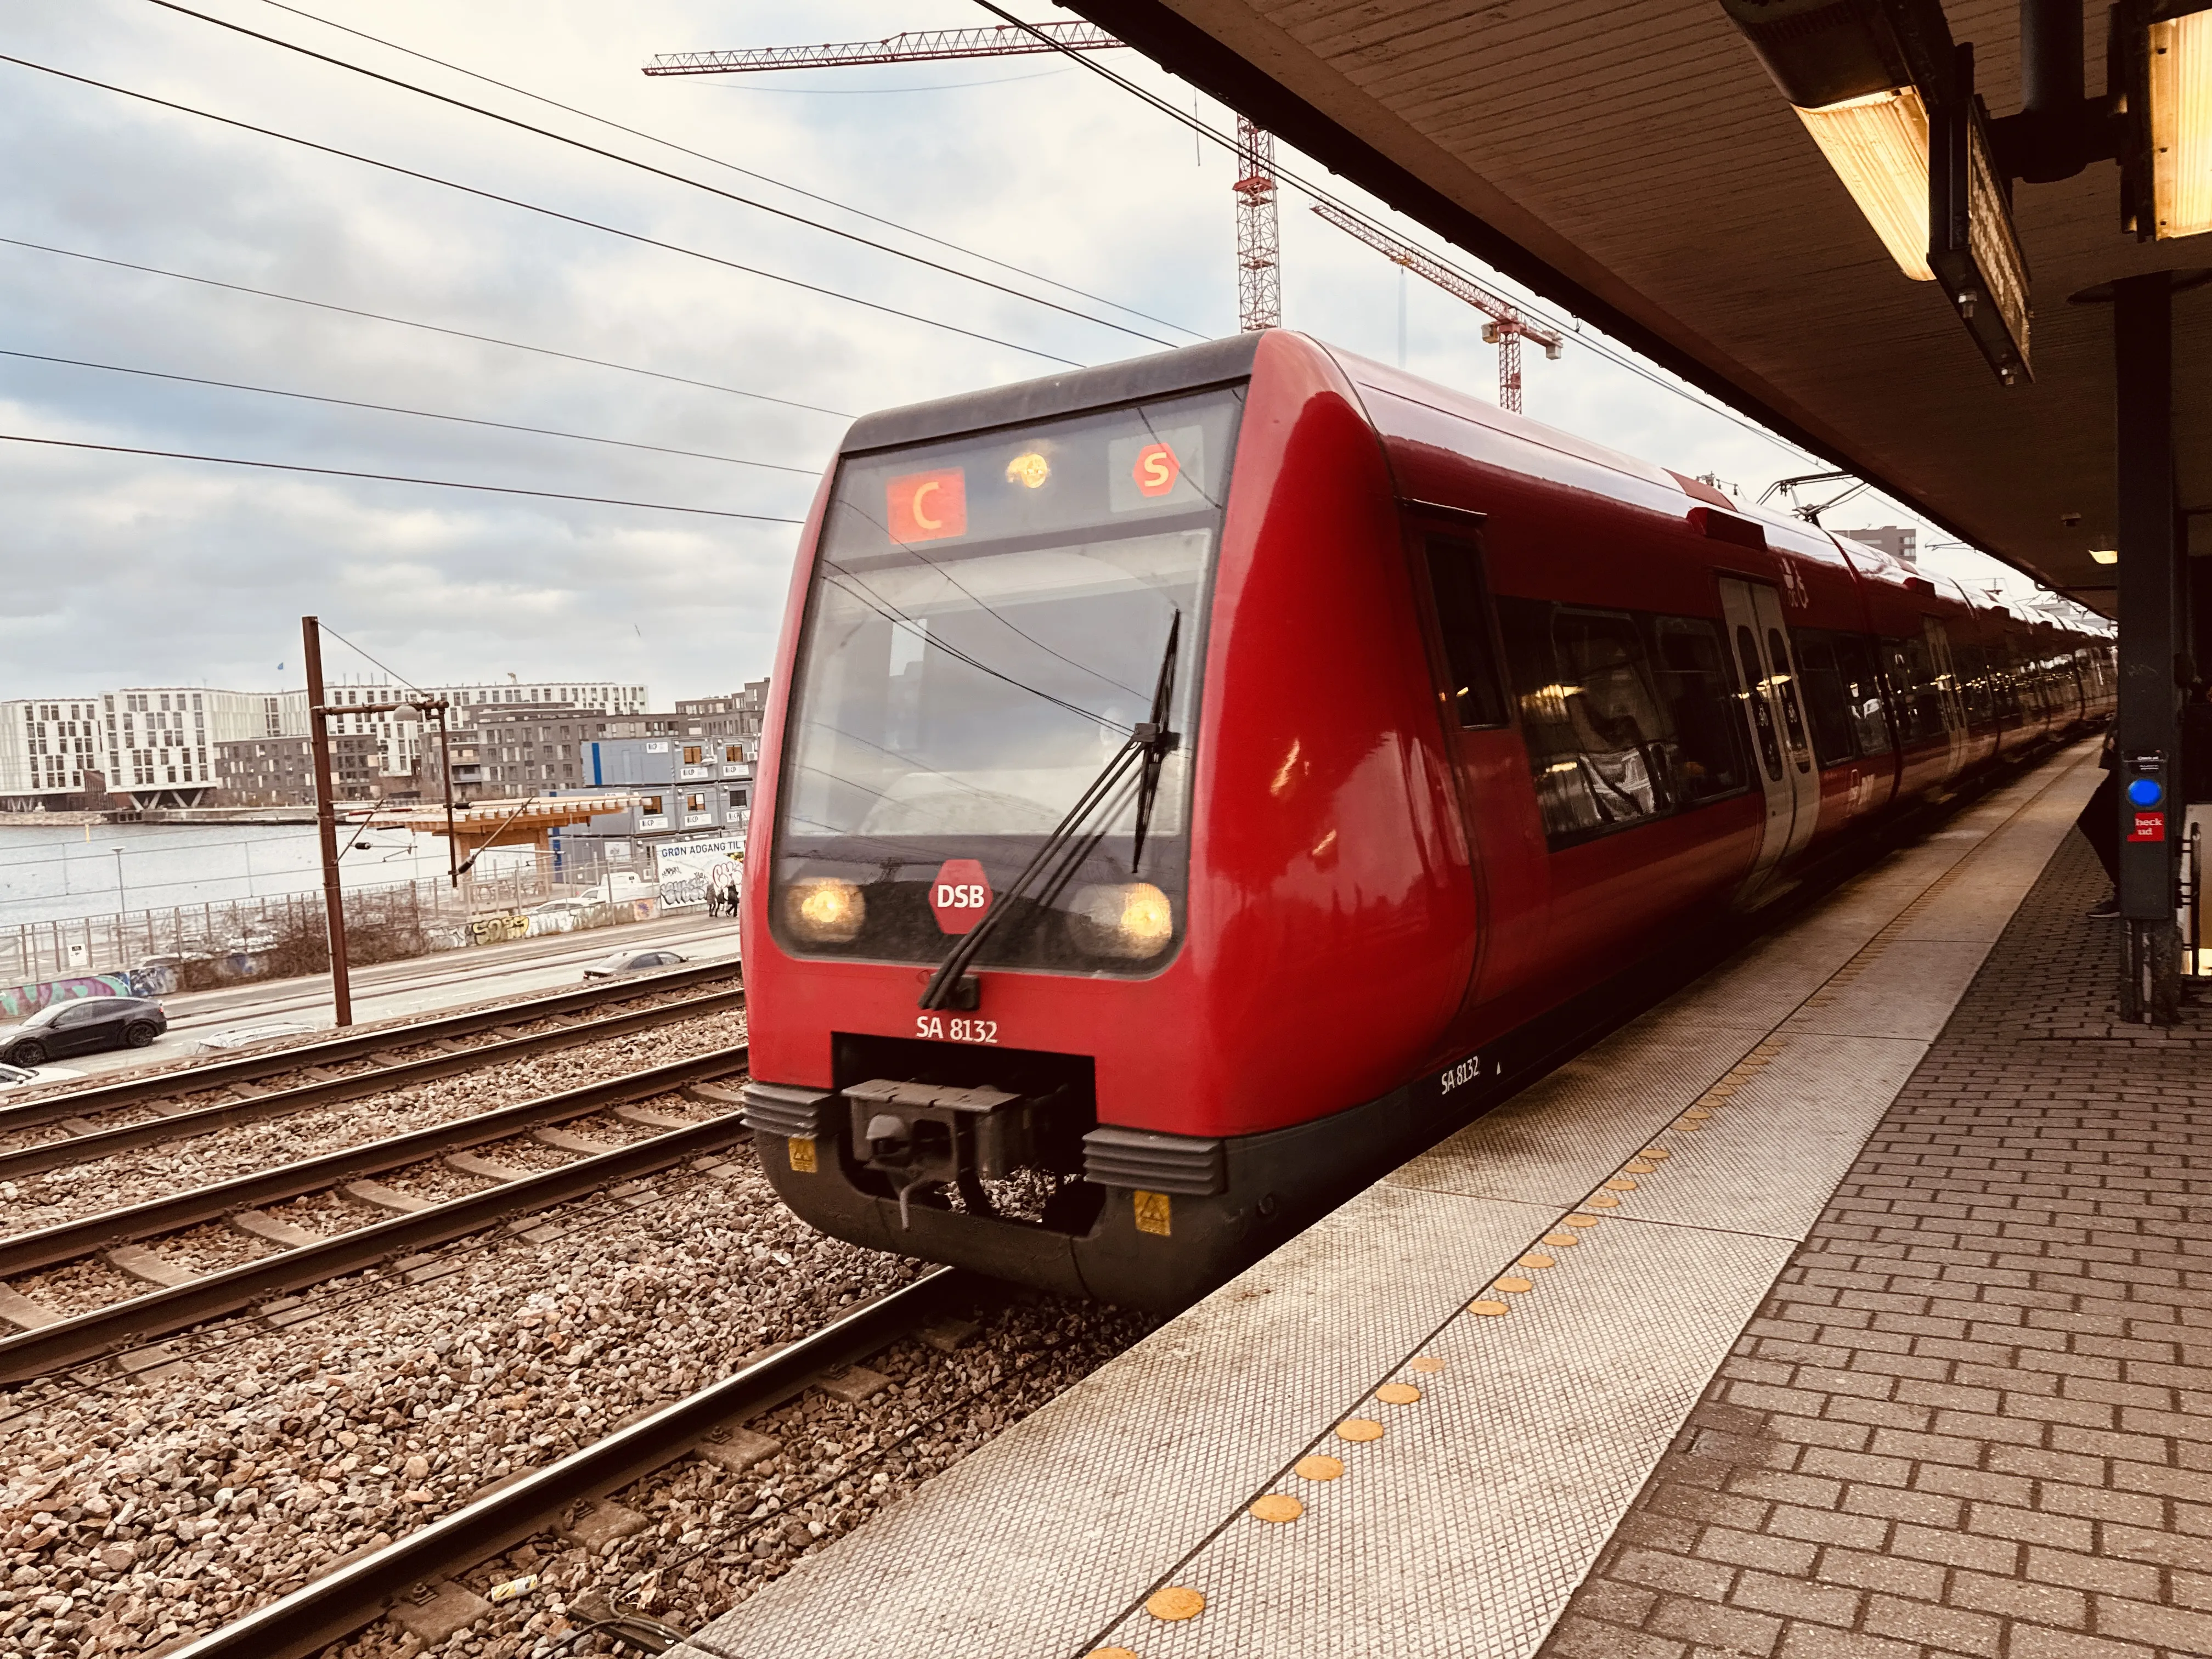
(990,620)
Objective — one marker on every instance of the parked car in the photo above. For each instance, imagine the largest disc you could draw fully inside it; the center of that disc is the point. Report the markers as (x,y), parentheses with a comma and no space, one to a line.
(25,1076)
(81,1025)
(631,962)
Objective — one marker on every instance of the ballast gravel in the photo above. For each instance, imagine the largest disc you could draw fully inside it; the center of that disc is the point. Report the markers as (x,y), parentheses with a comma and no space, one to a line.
(137,1511)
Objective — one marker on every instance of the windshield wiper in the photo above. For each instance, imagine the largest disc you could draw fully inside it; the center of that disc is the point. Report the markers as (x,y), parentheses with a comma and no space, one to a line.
(1148,744)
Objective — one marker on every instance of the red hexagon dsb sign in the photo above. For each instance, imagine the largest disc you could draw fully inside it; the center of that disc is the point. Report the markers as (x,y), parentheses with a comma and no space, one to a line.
(960,895)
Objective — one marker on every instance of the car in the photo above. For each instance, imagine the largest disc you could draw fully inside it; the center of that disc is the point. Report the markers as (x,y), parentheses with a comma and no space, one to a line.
(83,1025)
(29,1077)
(631,962)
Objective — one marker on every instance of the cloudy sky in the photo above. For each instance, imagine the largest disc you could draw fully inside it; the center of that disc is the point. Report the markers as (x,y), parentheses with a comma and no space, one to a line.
(125,568)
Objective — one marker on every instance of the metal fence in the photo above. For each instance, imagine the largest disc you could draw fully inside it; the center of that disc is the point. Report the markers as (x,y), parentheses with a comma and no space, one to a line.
(192,945)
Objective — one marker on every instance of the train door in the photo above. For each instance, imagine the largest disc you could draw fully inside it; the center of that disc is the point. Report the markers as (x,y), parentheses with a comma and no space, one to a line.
(1510,869)
(1782,751)
(1947,681)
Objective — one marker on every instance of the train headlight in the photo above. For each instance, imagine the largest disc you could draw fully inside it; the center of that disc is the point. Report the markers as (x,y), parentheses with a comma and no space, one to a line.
(824,910)
(1132,920)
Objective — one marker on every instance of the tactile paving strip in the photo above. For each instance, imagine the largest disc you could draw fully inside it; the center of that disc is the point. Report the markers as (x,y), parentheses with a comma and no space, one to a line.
(1460,1530)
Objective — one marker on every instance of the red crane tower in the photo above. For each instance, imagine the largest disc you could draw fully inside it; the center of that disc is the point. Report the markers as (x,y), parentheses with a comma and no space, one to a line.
(1259,272)
(1506,328)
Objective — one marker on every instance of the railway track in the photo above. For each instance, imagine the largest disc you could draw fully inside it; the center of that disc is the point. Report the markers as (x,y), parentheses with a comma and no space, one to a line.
(342,1602)
(245,1075)
(53,1344)
(87,1140)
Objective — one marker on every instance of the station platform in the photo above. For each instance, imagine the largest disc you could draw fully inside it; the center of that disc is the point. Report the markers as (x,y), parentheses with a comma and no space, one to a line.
(1850,1304)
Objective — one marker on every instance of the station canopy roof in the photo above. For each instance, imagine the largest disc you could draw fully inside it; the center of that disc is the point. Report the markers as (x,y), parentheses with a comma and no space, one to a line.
(1632,159)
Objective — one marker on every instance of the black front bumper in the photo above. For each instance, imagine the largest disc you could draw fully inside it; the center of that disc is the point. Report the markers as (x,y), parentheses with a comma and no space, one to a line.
(1149,1249)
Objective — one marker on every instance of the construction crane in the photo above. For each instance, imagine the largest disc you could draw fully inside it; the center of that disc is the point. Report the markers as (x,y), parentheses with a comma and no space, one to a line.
(1506,328)
(1259,262)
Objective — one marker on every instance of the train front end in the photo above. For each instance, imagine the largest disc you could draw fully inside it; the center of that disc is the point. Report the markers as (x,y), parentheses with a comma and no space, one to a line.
(1000,1016)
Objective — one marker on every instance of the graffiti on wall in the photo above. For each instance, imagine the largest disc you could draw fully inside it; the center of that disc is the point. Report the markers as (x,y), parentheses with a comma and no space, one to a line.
(491,930)
(18,1000)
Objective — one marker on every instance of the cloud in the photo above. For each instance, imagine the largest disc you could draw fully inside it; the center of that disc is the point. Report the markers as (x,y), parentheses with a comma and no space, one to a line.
(130,569)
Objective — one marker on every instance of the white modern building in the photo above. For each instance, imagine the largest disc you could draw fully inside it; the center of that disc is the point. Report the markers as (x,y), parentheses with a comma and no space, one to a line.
(156,743)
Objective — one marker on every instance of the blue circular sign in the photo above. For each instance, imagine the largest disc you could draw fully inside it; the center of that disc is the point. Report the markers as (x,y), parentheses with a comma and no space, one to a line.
(2145,792)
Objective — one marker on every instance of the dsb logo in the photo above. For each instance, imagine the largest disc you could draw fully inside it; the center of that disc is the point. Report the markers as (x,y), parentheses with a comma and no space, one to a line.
(959,895)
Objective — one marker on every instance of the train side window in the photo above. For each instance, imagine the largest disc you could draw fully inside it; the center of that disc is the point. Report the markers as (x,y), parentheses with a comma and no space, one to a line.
(1599,743)
(1826,703)
(1912,682)
(1456,579)
(1972,662)
(1691,667)
(1862,689)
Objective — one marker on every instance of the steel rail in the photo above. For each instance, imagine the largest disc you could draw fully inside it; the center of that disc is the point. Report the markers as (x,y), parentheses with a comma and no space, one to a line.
(331,1608)
(248,1068)
(66,1241)
(123,1324)
(280,1103)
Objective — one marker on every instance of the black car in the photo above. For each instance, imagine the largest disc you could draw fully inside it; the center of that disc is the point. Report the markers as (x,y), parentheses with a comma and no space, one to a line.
(82,1024)
(631,962)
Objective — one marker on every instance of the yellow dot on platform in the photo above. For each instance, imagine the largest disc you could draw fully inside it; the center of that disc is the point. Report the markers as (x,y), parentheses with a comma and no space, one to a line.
(1317,1466)
(1561,1241)
(1659,1153)
(1685,1126)
(1278,1506)
(1621,1184)
(1539,1260)
(1579,1220)
(1638,1166)
(1397,1393)
(1428,1362)
(1112,1653)
(1174,1604)
(1358,1430)
(1602,1201)
(1488,1310)
(1700,1113)
(1514,1284)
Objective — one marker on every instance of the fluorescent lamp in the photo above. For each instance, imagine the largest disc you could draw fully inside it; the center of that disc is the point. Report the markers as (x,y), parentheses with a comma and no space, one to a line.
(2106,555)
(1878,145)
(2181,124)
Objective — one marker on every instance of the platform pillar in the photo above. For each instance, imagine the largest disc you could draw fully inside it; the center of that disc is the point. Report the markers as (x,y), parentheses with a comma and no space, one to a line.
(2153,669)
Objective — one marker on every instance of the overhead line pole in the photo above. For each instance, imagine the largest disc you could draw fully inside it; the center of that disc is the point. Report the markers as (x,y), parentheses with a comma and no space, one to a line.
(326,832)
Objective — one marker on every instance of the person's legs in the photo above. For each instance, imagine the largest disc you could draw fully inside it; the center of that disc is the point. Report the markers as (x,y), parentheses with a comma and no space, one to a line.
(2099,824)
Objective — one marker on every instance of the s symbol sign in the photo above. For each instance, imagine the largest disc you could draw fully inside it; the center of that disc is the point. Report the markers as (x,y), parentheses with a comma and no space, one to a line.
(959,895)
(1156,471)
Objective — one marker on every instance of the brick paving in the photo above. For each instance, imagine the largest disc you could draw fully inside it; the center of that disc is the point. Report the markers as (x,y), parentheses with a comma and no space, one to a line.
(1973,1419)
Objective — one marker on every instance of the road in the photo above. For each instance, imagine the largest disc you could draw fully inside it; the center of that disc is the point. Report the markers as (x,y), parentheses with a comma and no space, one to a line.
(393,990)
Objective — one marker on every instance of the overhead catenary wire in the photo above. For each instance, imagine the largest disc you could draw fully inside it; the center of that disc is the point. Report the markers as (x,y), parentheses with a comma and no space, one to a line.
(390,478)
(419,414)
(646,166)
(639,237)
(1617,356)
(429,328)
(716,161)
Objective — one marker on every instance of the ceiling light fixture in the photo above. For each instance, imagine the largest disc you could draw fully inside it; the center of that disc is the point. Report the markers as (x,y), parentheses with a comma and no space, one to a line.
(2106,555)
(2177,62)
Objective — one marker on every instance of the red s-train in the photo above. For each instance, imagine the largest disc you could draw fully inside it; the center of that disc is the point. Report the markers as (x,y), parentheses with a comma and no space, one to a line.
(1186,781)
